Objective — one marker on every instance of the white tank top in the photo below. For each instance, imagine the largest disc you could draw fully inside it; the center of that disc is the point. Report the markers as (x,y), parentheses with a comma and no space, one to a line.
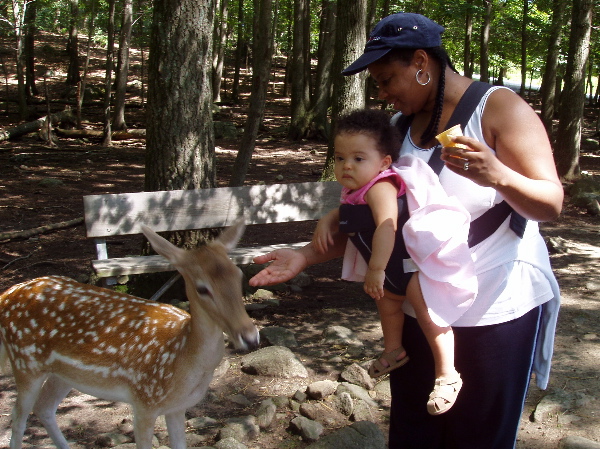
(514,274)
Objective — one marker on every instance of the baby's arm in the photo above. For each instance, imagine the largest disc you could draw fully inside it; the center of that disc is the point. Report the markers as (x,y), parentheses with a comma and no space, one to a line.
(327,226)
(382,199)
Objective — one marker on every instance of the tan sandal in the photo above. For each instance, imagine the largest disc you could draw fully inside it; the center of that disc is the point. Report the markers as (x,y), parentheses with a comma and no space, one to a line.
(378,369)
(444,394)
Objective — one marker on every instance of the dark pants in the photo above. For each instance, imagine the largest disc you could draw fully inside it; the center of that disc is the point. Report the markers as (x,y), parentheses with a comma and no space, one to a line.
(495,365)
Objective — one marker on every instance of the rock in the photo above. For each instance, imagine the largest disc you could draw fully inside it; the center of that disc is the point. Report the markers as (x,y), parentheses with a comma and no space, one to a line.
(323,413)
(240,399)
(383,390)
(344,403)
(202,422)
(278,336)
(308,429)
(274,361)
(262,294)
(362,412)
(112,439)
(242,428)
(558,401)
(360,435)
(321,389)
(301,280)
(357,375)
(229,443)
(266,413)
(357,393)
(577,442)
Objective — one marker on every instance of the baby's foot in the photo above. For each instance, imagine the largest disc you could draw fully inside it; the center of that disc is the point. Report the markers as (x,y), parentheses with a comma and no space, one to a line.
(444,394)
(388,361)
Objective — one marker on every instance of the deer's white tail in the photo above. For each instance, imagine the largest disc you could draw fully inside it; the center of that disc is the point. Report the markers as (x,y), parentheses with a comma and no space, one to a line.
(60,334)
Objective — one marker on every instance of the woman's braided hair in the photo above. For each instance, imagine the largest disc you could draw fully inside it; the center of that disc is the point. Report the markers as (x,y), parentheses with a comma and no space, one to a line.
(405,55)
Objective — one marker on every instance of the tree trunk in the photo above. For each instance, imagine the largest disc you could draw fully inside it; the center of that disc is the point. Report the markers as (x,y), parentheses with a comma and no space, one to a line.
(19,12)
(348,91)
(73,76)
(524,21)
(262,54)
(468,67)
(180,148)
(220,40)
(548,89)
(121,80)
(300,78)
(239,53)
(484,62)
(30,29)
(568,140)
(321,100)
(110,48)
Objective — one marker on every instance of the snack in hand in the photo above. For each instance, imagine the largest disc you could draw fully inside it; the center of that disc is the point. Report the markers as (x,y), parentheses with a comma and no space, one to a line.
(446,137)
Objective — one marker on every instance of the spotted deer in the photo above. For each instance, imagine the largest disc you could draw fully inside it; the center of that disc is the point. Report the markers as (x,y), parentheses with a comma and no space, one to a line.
(59,334)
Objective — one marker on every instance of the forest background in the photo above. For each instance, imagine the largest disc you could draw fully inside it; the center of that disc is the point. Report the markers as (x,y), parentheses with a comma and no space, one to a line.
(190,48)
(173,76)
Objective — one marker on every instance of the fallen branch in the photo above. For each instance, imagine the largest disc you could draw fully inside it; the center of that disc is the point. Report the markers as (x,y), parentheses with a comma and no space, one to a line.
(29,127)
(14,235)
(94,133)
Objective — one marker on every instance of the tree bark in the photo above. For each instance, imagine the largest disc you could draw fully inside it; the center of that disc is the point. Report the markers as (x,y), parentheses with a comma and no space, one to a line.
(300,76)
(239,52)
(468,67)
(568,140)
(123,65)
(348,91)
(548,89)
(262,54)
(110,48)
(180,148)
(30,30)
(524,21)
(19,12)
(73,76)
(220,40)
(484,62)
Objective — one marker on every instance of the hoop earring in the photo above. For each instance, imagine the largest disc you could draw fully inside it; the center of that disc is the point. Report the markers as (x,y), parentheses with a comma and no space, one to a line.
(417,78)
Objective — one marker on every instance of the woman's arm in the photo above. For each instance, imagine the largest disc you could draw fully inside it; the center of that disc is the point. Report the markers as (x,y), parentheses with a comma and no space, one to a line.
(287,263)
(523,169)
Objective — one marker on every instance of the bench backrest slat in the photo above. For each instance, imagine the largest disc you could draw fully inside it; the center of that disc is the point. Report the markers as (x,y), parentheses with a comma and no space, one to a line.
(178,210)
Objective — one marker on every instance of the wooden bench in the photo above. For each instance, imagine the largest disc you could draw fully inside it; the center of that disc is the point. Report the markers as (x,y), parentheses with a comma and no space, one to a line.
(179,210)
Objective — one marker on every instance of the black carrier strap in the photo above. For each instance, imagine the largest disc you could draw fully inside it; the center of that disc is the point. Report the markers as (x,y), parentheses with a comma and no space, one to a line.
(485,225)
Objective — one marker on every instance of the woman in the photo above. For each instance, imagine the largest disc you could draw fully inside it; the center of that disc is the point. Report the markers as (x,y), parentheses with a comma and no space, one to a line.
(508,331)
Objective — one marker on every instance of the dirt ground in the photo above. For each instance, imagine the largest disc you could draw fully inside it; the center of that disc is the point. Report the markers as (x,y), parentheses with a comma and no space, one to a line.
(43,185)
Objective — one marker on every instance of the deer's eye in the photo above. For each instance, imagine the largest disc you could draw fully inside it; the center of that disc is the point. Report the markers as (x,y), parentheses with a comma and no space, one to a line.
(202,289)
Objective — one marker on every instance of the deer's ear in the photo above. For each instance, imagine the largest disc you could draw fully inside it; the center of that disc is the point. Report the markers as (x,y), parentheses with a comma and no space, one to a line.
(161,245)
(232,235)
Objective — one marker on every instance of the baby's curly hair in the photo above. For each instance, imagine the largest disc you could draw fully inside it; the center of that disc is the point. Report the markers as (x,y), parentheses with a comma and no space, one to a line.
(375,123)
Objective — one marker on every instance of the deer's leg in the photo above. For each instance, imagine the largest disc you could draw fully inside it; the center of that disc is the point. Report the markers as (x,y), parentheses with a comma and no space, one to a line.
(53,392)
(28,391)
(176,427)
(143,427)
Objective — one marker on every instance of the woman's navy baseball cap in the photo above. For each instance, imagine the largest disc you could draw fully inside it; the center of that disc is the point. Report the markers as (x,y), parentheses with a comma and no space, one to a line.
(401,30)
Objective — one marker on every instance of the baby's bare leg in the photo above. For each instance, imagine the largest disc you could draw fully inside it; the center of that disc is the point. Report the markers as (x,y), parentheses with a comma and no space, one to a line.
(392,321)
(440,339)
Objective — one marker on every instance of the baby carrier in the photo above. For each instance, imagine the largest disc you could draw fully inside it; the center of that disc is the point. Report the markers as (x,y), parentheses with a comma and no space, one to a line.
(357,220)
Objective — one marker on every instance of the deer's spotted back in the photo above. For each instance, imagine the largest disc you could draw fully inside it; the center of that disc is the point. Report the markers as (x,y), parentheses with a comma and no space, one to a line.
(54,321)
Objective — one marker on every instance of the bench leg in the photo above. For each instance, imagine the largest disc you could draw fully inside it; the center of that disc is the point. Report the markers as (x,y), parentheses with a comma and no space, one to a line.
(165,287)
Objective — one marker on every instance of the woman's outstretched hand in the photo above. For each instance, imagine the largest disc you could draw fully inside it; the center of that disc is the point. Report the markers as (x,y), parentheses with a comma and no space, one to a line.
(285,264)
